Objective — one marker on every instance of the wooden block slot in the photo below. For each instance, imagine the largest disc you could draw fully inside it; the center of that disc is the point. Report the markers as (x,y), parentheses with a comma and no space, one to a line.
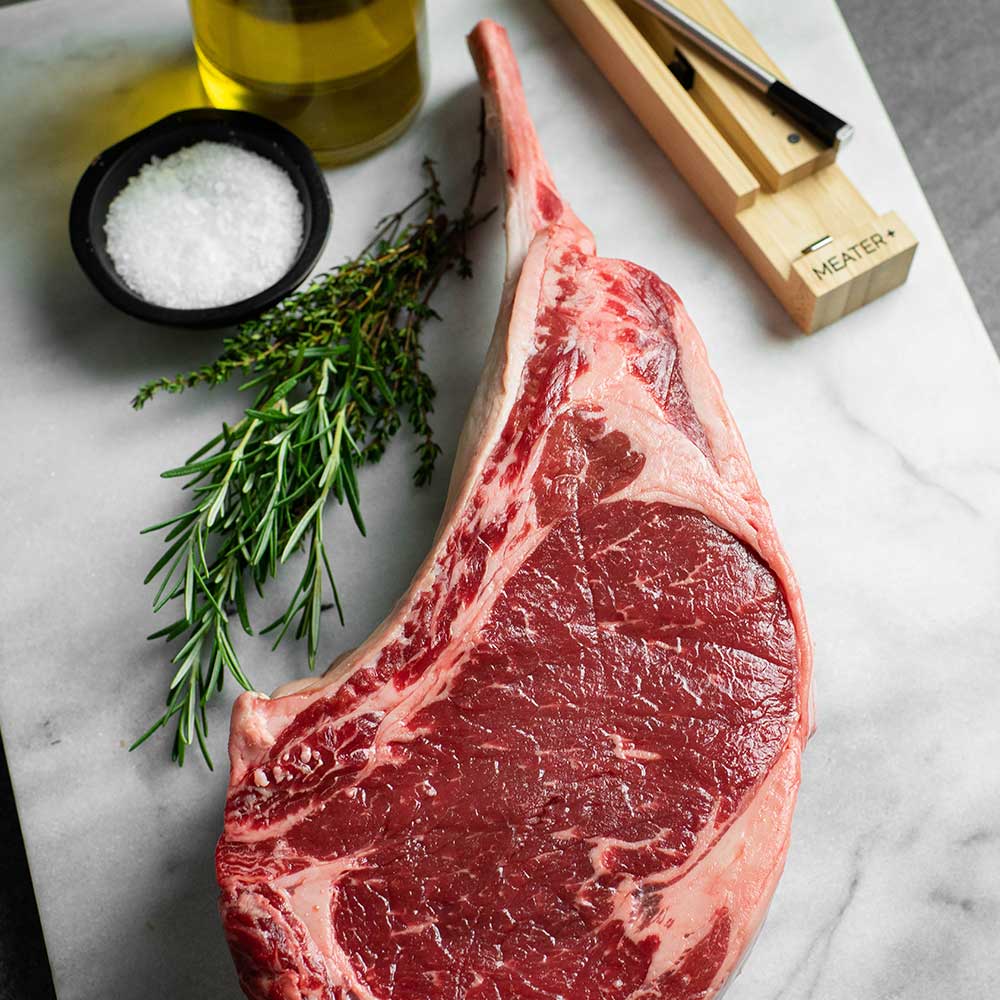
(773,197)
(650,89)
(767,140)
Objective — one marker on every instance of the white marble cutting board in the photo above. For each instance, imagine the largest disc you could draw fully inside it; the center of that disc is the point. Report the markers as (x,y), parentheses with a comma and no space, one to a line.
(877,442)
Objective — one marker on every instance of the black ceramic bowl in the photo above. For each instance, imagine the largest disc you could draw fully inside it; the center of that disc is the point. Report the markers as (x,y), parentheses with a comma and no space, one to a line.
(110,172)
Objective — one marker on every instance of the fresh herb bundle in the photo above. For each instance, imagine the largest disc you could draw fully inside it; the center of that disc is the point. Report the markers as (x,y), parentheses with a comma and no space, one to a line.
(332,368)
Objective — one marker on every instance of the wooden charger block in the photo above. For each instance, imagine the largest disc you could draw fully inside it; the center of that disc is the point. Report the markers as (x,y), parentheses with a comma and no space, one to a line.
(776,197)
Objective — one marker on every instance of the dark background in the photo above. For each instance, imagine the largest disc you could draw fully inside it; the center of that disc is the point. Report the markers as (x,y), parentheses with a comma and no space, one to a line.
(937,69)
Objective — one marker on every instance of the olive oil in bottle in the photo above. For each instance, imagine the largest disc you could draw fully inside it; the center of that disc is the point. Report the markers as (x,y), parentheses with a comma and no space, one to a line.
(347,76)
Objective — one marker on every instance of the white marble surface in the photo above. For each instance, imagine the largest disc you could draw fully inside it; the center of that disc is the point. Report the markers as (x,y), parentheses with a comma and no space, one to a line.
(877,442)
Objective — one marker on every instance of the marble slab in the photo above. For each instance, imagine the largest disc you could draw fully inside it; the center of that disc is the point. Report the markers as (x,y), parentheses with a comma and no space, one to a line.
(877,442)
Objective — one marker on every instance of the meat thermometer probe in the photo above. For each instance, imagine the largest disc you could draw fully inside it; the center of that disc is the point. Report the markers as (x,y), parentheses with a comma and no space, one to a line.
(823,124)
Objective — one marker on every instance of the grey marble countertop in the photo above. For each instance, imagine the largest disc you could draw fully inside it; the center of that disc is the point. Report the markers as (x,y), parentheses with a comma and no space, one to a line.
(936,71)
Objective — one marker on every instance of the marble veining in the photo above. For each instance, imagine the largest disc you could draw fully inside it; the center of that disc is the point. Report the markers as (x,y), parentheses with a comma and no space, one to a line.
(876,441)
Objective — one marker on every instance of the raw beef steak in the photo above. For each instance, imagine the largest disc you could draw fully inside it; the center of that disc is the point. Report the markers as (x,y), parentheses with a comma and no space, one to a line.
(565,765)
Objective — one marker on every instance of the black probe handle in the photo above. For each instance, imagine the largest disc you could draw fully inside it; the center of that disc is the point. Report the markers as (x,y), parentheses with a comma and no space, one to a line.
(821,123)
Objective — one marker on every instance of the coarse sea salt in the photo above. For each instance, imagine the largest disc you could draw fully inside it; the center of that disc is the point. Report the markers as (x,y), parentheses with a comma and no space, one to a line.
(206,226)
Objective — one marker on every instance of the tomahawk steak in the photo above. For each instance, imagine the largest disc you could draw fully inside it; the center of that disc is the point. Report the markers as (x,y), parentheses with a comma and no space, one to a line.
(565,765)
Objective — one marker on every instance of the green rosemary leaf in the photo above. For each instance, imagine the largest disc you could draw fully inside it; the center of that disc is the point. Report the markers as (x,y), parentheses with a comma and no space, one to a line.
(300,528)
(193,467)
(163,560)
(201,731)
(186,516)
(241,606)
(171,632)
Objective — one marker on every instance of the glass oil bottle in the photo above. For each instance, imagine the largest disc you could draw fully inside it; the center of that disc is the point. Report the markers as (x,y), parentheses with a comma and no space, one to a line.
(347,76)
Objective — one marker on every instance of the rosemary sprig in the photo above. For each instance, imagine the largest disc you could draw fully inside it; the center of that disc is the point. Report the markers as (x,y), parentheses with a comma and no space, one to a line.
(332,369)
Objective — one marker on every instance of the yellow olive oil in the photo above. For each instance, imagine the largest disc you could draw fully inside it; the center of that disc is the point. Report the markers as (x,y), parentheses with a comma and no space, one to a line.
(347,76)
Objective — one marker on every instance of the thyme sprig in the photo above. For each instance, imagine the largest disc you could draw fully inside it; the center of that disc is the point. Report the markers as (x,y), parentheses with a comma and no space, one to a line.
(332,369)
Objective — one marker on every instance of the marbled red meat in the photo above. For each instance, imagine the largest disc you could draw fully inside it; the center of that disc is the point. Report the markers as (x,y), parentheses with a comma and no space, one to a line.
(565,766)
